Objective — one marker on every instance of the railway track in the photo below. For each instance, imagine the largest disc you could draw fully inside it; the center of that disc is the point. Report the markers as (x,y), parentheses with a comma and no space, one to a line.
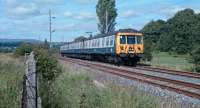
(169,71)
(182,87)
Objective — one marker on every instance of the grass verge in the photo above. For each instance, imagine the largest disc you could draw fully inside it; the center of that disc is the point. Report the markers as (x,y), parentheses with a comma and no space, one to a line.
(78,91)
(172,61)
(11,76)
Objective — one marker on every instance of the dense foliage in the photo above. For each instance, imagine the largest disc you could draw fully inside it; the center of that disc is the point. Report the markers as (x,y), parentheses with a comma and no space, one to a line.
(48,70)
(179,34)
(9,45)
(24,48)
(195,58)
(106,10)
(80,38)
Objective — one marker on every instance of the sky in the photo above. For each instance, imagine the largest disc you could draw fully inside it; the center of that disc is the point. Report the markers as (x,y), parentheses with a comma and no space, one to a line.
(28,19)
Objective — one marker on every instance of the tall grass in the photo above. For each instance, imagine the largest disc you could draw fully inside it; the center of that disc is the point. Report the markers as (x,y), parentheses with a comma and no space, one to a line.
(79,91)
(11,73)
(172,61)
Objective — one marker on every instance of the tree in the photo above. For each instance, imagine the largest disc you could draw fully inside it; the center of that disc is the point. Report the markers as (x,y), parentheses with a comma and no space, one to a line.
(153,31)
(107,14)
(80,38)
(182,25)
(24,48)
(179,34)
(148,51)
(46,44)
(195,58)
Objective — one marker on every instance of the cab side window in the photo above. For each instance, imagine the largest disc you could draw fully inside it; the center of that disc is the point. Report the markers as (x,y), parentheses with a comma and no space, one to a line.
(122,40)
(139,40)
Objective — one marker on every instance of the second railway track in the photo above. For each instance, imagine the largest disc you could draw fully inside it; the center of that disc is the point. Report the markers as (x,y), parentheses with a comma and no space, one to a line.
(169,71)
(187,88)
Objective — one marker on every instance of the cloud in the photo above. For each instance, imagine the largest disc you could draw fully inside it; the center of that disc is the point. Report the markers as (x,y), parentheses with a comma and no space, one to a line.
(85,16)
(49,2)
(197,10)
(68,14)
(77,27)
(80,15)
(129,14)
(85,1)
(20,9)
(169,11)
(25,10)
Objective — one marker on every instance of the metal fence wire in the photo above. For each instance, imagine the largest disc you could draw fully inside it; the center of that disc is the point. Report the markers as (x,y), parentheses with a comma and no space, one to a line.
(29,95)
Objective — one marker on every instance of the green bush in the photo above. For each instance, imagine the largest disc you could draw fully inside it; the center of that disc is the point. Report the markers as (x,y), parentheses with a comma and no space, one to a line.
(47,65)
(48,70)
(24,48)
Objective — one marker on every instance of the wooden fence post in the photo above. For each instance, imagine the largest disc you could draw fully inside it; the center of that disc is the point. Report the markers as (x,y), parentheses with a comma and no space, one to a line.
(30,88)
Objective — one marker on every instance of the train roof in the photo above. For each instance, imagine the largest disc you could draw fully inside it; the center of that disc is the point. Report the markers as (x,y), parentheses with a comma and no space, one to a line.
(109,34)
(115,32)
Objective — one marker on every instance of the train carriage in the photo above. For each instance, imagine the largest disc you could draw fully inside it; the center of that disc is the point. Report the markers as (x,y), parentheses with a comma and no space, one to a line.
(123,46)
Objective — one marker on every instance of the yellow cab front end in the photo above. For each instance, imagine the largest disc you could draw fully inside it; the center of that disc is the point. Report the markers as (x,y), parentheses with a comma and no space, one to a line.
(129,45)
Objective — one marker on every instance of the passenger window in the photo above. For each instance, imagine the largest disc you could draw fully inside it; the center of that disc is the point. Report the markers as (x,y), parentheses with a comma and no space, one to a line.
(111,40)
(103,41)
(93,43)
(98,43)
(107,41)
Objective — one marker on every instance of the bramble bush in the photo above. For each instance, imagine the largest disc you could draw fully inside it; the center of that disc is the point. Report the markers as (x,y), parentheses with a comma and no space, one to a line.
(48,70)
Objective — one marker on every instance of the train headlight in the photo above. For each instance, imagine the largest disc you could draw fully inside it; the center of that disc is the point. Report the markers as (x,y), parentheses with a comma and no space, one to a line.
(139,48)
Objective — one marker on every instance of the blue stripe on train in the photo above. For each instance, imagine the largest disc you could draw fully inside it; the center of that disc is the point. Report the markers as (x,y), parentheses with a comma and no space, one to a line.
(108,50)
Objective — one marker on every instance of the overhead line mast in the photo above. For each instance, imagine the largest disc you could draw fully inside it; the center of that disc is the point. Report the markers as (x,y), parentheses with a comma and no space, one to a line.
(50,31)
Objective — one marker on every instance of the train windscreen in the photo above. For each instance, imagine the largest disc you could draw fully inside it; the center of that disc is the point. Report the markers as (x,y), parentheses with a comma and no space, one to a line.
(131,40)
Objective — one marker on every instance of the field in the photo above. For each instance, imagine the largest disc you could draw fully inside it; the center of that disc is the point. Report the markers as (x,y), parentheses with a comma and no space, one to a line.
(11,75)
(171,61)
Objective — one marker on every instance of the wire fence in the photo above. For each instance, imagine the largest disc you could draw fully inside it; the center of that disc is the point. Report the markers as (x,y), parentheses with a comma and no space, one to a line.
(30,97)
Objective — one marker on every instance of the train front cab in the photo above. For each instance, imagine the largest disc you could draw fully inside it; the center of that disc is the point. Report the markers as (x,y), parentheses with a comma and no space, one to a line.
(129,47)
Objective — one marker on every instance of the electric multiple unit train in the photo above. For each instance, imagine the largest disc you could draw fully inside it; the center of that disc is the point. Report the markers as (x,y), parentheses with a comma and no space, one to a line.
(123,46)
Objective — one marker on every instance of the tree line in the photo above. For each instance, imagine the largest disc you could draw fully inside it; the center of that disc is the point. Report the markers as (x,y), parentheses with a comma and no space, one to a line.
(178,35)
